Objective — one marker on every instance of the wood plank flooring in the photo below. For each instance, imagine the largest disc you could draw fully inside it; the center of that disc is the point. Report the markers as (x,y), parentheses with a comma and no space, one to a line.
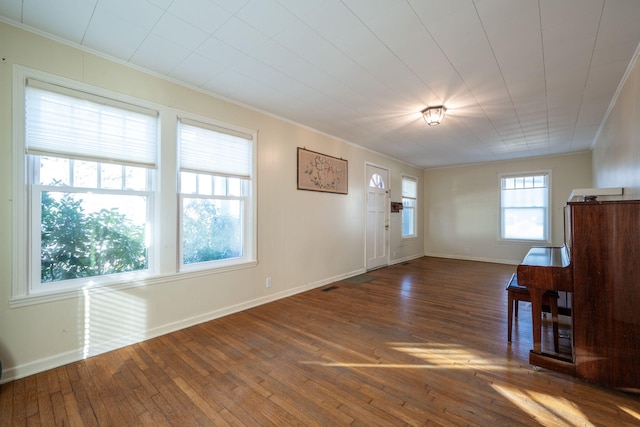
(423,343)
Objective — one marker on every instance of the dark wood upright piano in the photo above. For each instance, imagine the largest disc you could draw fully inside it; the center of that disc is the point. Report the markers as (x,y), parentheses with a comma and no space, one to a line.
(599,267)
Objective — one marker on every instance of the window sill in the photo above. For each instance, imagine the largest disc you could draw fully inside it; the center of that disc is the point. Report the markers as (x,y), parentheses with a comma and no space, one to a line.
(46,297)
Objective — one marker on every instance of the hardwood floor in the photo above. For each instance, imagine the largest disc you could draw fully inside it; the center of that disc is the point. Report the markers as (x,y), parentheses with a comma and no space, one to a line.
(422,343)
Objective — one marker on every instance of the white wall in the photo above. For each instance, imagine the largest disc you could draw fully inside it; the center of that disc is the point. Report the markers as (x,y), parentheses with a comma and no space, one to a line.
(616,155)
(305,239)
(462,206)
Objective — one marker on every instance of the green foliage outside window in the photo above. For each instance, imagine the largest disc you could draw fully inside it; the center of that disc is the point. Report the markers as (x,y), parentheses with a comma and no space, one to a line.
(75,244)
(209,234)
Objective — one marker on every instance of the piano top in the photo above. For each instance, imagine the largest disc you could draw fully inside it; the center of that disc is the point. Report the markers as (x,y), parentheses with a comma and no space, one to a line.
(547,256)
(546,268)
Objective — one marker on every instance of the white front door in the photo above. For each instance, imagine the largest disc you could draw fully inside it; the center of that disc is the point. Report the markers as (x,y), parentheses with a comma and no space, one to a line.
(377,217)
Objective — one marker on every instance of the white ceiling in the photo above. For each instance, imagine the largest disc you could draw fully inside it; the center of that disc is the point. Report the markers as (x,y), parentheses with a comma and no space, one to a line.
(520,78)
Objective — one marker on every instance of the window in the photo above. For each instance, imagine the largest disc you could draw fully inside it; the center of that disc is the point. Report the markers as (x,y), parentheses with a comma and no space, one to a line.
(89,165)
(88,205)
(216,169)
(376,181)
(409,202)
(524,206)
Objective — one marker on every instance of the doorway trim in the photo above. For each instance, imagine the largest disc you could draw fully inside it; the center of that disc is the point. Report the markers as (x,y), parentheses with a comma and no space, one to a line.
(376,218)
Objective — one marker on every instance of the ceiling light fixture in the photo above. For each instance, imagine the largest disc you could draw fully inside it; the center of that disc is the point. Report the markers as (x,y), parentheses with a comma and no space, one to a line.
(434,115)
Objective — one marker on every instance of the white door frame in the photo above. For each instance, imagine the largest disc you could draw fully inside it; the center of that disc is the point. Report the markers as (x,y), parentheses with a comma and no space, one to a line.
(377,259)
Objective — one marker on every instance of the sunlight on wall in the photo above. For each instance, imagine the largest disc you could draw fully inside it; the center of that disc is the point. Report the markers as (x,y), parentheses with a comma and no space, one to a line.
(110,320)
(545,408)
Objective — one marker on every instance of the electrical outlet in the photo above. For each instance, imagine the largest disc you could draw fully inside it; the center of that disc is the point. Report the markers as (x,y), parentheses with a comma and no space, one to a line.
(268,282)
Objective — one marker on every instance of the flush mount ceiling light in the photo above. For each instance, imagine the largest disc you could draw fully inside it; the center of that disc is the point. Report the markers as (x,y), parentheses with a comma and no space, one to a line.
(434,115)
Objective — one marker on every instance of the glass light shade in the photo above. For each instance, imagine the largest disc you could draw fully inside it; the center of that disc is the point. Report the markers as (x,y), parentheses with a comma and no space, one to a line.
(434,115)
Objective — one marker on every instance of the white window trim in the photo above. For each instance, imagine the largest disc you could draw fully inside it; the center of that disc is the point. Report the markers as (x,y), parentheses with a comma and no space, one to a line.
(415,209)
(547,239)
(20,292)
(251,203)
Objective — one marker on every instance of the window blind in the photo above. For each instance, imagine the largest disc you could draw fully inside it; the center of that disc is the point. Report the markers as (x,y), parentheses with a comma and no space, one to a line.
(212,149)
(62,122)
(409,187)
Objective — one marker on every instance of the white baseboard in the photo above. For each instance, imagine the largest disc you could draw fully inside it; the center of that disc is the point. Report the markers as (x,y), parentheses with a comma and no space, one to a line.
(470,258)
(405,259)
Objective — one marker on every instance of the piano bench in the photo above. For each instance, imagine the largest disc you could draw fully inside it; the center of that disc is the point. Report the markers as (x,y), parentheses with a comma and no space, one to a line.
(517,293)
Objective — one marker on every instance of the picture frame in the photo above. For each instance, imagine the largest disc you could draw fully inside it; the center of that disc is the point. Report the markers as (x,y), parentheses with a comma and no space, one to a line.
(321,172)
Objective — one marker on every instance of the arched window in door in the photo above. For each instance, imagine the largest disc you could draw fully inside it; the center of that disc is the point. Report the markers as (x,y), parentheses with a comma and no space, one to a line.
(376,181)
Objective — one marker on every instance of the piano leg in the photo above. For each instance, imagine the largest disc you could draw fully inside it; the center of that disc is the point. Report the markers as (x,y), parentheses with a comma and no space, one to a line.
(536,321)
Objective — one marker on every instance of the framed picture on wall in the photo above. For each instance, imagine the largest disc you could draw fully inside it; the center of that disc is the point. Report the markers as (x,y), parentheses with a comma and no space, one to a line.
(320,172)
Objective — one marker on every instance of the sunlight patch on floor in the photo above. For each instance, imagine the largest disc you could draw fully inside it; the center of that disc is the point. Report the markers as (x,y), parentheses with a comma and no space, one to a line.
(368,365)
(546,408)
(436,356)
(633,413)
(449,356)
